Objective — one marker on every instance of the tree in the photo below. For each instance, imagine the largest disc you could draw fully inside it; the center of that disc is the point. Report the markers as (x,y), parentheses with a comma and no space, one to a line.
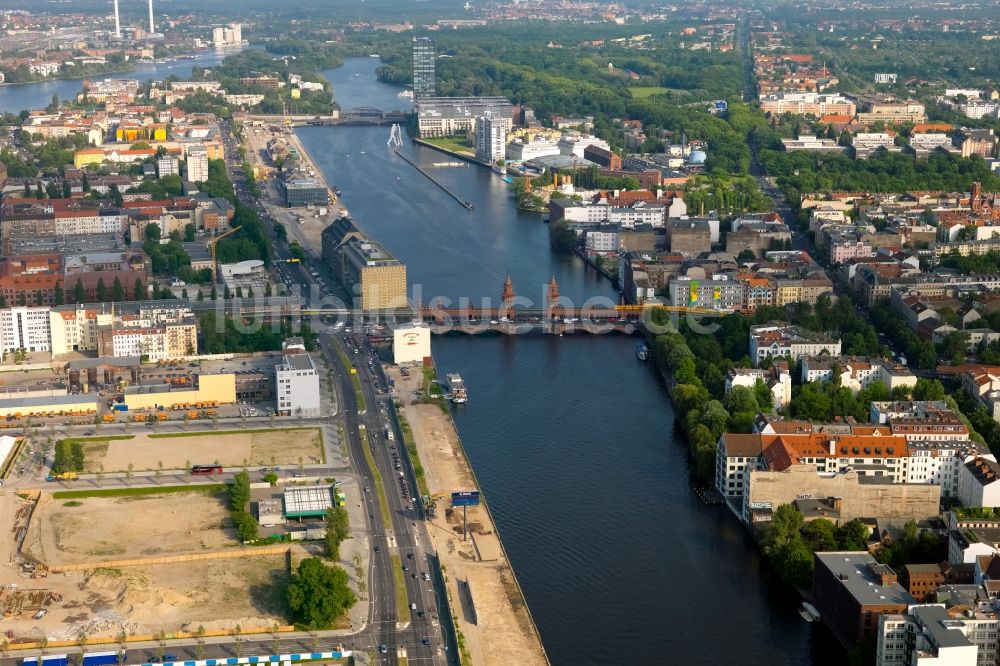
(190,232)
(319,594)
(79,294)
(820,535)
(117,290)
(57,294)
(239,492)
(928,389)
(117,196)
(101,291)
(247,528)
(138,293)
(741,399)
(86,183)
(853,536)
(337,529)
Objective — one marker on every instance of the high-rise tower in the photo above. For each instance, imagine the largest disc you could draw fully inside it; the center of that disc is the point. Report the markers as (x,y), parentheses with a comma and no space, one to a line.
(152,26)
(423,67)
(118,25)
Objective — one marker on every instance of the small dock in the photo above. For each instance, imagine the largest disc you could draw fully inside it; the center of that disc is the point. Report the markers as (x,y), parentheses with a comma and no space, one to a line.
(434,180)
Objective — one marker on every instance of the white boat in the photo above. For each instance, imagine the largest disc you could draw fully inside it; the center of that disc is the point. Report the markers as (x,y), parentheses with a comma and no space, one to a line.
(405,94)
(456,387)
(808,612)
(502,170)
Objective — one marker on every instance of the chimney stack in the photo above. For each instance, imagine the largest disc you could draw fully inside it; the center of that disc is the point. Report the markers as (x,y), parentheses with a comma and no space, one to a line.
(118,25)
(152,26)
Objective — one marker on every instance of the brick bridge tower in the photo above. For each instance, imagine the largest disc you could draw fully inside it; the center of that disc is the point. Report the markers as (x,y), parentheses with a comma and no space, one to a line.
(508,291)
(552,302)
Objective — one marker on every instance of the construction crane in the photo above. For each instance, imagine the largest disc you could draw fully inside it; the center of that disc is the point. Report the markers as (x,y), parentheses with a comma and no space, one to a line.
(211,248)
(293,260)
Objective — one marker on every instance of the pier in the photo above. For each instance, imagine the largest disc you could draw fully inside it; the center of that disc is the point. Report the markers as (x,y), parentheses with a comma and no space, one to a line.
(434,180)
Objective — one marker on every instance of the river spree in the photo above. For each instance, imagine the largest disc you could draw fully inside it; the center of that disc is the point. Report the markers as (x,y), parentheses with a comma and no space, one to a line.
(15,97)
(572,438)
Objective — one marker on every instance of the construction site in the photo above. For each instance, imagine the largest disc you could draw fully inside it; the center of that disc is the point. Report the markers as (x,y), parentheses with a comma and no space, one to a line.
(138,565)
(177,451)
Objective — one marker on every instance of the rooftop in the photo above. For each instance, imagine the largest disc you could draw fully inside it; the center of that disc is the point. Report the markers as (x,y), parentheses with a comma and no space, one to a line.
(860,573)
(307,501)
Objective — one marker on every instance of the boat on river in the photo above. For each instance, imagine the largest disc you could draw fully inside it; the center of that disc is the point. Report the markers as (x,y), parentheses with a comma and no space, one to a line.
(808,612)
(456,388)
(642,351)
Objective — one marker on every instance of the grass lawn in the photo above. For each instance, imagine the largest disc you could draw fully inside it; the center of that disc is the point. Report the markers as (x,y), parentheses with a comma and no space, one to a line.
(403,608)
(411,448)
(644,92)
(359,395)
(383,502)
(135,492)
(456,144)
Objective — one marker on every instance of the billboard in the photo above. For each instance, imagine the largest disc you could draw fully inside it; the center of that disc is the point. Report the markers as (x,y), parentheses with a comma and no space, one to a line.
(465,498)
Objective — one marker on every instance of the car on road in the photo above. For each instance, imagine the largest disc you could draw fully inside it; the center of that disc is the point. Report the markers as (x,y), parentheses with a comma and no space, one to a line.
(40,614)
(378,548)
(298,475)
(383,649)
(409,556)
(170,656)
(406,568)
(425,640)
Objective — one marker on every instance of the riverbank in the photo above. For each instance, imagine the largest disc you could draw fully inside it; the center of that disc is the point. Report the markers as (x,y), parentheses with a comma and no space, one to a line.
(490,610)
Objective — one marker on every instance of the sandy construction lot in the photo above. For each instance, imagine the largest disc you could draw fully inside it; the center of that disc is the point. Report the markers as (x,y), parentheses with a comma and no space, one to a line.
(146,451)
(504,633)
(216,594)
(116,528)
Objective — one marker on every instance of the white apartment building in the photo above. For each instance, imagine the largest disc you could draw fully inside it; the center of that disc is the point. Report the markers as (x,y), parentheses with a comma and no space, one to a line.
(74,328)
(491,137)
(197,164)
(73,223)
(929,635)
(168,166)
(979,482)
(791,341)
(24,328)
(147,342)
(777,379)
(297,383)
(865,143)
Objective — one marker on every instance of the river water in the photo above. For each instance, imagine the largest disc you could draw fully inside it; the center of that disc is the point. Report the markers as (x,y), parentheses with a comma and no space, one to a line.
(15,97)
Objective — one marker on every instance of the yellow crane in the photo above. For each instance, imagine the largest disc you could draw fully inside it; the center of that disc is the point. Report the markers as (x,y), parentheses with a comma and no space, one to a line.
(211,248)
(293,260)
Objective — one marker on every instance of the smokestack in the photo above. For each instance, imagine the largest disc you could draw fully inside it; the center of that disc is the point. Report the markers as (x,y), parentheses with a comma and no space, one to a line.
(118,25)
(152,27)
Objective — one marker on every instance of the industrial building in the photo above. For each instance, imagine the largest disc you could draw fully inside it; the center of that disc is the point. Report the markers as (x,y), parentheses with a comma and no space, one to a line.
(219,389)
(411,343)
(297,381)
(308,501)
(852,591)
